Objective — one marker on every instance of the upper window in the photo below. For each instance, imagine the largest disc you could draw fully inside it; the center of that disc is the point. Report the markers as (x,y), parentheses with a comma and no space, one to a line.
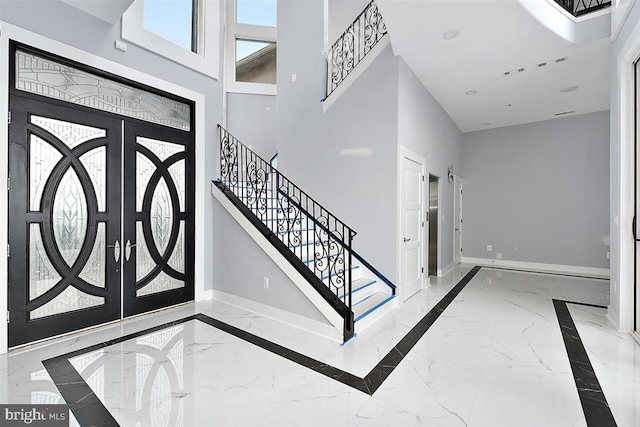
(174,20)
(184,31)
(251,50)
(256,12)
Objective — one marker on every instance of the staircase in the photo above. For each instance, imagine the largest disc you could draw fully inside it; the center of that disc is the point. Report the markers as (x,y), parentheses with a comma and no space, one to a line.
(311,239)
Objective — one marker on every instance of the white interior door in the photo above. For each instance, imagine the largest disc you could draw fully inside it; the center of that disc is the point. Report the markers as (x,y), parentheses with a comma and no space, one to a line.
(411,228)
(457,223)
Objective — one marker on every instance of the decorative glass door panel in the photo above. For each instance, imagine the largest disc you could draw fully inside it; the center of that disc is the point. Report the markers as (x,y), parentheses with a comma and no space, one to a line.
(64,219)
(158,266)
(101,198)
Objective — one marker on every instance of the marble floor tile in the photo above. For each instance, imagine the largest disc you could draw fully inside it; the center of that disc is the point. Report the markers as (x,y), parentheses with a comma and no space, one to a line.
(494,357)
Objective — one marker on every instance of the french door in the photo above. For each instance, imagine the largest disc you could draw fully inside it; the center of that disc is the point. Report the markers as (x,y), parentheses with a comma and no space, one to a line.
(158,218)
(100,219)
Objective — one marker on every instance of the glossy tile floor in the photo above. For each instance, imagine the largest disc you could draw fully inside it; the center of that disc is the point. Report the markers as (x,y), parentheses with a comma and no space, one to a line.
(494,357)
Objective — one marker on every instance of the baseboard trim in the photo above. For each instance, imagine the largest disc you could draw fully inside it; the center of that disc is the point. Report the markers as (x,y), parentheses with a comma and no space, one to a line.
(448,269)
(613,317)
(307,289)
(291,319)
(600,273)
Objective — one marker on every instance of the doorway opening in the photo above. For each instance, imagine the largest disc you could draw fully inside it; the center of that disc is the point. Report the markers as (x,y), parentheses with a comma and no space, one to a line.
(434,183)
(457,221)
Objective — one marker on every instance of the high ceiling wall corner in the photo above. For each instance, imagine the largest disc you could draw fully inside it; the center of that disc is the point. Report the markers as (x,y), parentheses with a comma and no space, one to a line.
(109,11)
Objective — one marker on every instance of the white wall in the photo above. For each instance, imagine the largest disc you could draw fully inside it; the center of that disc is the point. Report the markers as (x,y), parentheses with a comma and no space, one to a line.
(539,192)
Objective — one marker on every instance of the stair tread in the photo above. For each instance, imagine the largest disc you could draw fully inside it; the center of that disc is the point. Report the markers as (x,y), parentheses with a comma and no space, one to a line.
(370,304)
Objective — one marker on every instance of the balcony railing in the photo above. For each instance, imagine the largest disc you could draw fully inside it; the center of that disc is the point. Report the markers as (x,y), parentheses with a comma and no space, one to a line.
(316,242)
(580,7)
(353,45)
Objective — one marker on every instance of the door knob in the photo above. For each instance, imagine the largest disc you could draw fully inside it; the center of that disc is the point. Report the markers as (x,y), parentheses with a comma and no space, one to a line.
(127,250)
(405,240)
(116,250)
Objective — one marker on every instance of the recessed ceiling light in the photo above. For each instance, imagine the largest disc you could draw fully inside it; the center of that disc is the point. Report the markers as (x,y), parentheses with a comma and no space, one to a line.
(471,92)
(569,89)
(451,34)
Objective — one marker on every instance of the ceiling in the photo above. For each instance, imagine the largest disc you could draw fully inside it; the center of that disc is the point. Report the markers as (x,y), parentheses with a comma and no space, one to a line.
(495,37)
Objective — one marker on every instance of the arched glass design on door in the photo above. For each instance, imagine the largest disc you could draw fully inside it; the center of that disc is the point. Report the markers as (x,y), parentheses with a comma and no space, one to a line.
(66,192)
(160,190)
(101,219)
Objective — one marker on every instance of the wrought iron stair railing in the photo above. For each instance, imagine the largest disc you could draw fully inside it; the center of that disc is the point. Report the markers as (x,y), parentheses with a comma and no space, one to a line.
(353,45)
(581,7)
(311,238)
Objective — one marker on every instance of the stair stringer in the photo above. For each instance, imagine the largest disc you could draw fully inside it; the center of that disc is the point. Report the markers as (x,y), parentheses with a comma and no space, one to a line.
(301,283)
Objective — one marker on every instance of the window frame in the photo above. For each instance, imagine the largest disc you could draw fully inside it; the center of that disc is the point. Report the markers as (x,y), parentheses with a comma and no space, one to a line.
(245,32)
(205,60)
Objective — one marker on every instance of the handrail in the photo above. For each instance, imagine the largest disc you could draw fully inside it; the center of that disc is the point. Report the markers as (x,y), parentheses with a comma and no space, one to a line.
(375,271)
(581,7)
(314,235)
(357,40)
(274,158)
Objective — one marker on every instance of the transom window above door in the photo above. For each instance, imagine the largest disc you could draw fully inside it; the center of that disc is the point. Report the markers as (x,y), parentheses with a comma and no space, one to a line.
(47,77)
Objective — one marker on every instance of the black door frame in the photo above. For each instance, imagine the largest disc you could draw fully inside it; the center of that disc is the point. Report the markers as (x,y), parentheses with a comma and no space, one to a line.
(132,304)
(132,122)
(22,330)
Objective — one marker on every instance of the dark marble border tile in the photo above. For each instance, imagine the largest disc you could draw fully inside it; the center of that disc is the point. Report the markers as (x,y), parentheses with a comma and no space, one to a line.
(90,411)
(596,410)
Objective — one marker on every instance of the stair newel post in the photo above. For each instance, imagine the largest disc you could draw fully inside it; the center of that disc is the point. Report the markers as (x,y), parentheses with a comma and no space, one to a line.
(306,225)
(348,266)
(221,155)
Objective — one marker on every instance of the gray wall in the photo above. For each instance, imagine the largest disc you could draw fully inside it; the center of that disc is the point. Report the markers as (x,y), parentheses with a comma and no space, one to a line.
(359,190)
(252,119)
(341,15)
(425,128)
(539,192)
(242,266)
(68,25)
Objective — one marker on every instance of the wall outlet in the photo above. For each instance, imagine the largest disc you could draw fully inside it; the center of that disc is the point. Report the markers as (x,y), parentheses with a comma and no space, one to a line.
(489,248)
(266,283)
(120,45)
(294,77)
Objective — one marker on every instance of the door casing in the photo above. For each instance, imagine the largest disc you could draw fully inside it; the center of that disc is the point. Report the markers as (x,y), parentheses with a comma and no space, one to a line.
(457,221)
(109,116)
(12,33)
(406,288)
